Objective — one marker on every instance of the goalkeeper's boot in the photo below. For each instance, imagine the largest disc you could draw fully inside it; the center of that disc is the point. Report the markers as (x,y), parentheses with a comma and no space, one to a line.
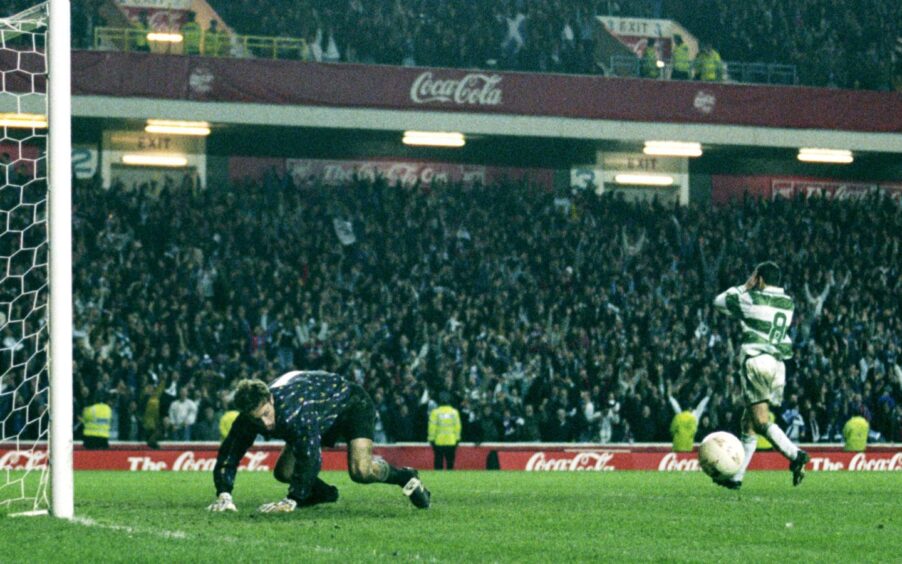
(797,467)
(321,492)
(729,484)
(416,491)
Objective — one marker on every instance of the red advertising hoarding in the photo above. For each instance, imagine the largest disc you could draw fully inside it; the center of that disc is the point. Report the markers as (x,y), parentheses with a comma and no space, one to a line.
(404,172)
(725,188)
(201,457)
(260,81)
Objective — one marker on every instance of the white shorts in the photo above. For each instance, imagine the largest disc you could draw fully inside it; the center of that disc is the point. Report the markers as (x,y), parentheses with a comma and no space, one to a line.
(763,379)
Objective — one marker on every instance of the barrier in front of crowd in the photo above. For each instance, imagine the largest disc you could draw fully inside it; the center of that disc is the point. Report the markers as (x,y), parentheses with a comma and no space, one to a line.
(734,71)
(210,44)
(530,457)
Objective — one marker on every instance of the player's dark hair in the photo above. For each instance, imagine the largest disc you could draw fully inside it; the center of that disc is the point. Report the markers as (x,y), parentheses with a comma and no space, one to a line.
(769,272)
(250,394)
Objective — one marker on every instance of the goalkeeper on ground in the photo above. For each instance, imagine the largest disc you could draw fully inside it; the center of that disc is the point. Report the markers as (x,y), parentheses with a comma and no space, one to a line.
(765,312)
(307,409)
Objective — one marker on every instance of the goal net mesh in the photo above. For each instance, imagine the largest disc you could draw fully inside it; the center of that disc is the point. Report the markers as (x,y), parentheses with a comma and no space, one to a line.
(24,291)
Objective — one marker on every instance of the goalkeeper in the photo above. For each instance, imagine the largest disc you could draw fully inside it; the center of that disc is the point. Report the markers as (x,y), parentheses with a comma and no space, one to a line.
(307,409)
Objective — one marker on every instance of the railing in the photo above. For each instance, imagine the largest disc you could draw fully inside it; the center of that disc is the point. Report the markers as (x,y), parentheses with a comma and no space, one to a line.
(762,73)
(750,73)
(210,44)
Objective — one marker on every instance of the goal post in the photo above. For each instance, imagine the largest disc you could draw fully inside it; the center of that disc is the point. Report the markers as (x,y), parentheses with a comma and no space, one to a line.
(59,169)
(36,409)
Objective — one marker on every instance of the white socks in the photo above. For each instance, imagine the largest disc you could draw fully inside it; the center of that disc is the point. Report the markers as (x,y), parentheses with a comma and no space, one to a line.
(749,444)
(782,442)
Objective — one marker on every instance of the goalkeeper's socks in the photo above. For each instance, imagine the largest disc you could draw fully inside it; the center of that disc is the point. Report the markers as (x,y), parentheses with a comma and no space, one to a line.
(399,476)
(388,474)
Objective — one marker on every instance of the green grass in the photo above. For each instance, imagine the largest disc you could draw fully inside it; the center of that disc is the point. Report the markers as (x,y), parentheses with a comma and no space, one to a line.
(477,516)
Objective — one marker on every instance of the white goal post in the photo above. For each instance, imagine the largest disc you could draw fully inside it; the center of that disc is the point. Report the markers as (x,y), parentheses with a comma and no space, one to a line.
(59,93)
(36,410)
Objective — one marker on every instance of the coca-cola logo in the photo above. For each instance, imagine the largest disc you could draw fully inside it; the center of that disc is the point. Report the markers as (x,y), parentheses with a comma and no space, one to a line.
(24,460)
(673,463)
(860,462)
(583,461)
(476,89)
(704,102)
(188,461)
(405,174)
(402,173)
(200,81)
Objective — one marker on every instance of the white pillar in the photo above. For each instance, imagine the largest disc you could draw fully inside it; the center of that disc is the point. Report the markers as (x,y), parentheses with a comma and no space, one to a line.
(59,171)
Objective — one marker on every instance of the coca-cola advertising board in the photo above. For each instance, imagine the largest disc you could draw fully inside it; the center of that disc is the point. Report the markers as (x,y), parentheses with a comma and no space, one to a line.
(726,188)
(185,457)
(259,81)
(607,460)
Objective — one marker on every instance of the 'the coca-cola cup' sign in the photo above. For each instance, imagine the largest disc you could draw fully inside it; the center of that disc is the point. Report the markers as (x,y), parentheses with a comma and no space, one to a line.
(475,89)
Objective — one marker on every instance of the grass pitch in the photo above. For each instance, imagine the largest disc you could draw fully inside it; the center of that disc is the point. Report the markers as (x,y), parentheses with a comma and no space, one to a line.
(476,516)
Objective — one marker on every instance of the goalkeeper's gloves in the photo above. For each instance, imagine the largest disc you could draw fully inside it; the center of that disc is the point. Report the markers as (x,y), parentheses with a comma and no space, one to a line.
(287,505)
(223,503)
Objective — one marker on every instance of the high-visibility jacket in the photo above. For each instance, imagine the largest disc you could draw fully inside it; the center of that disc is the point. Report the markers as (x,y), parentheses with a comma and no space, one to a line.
(709,65)
(215,43)
(225,423)
(682,60)
(682,429)
(444,426)
(650,63)
(97,419)
(191,33)
(141,35)
(855,433)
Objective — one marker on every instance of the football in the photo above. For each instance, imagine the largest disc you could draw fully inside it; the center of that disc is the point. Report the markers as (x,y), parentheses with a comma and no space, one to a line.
(720,455)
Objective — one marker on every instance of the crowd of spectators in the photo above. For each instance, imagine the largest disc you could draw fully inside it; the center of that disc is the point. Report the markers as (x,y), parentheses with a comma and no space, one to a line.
(832,43)
(547,319)
(846,44)
(544,36)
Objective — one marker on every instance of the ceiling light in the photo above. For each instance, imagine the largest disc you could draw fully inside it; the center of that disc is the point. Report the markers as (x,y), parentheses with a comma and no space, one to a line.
(154,160)
(434,139)
(23,121)
(173,127)
(644,179)
(837,156)
(164,37)
(673,149)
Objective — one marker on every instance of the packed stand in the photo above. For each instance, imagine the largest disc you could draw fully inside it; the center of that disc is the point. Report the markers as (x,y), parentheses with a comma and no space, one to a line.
(845,44)
(568,319)
(546,36)
(832,43)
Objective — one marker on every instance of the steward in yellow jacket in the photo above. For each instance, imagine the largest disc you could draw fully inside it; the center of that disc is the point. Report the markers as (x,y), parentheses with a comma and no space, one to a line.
(444,432)
(97,419)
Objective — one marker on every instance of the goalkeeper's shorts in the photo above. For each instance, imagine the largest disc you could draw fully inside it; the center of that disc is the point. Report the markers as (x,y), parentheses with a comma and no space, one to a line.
(356,421)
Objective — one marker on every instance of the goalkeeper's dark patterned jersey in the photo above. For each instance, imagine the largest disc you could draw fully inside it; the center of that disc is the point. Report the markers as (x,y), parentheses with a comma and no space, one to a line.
(306,403)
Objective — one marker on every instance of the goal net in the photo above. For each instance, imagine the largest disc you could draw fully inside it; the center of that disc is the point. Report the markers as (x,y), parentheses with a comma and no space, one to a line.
(25,262)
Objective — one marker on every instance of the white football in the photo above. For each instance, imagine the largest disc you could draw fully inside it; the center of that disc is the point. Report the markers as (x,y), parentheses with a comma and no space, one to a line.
(720,455)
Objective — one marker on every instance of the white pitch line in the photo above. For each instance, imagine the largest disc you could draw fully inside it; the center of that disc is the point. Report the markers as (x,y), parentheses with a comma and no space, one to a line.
(87,522)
